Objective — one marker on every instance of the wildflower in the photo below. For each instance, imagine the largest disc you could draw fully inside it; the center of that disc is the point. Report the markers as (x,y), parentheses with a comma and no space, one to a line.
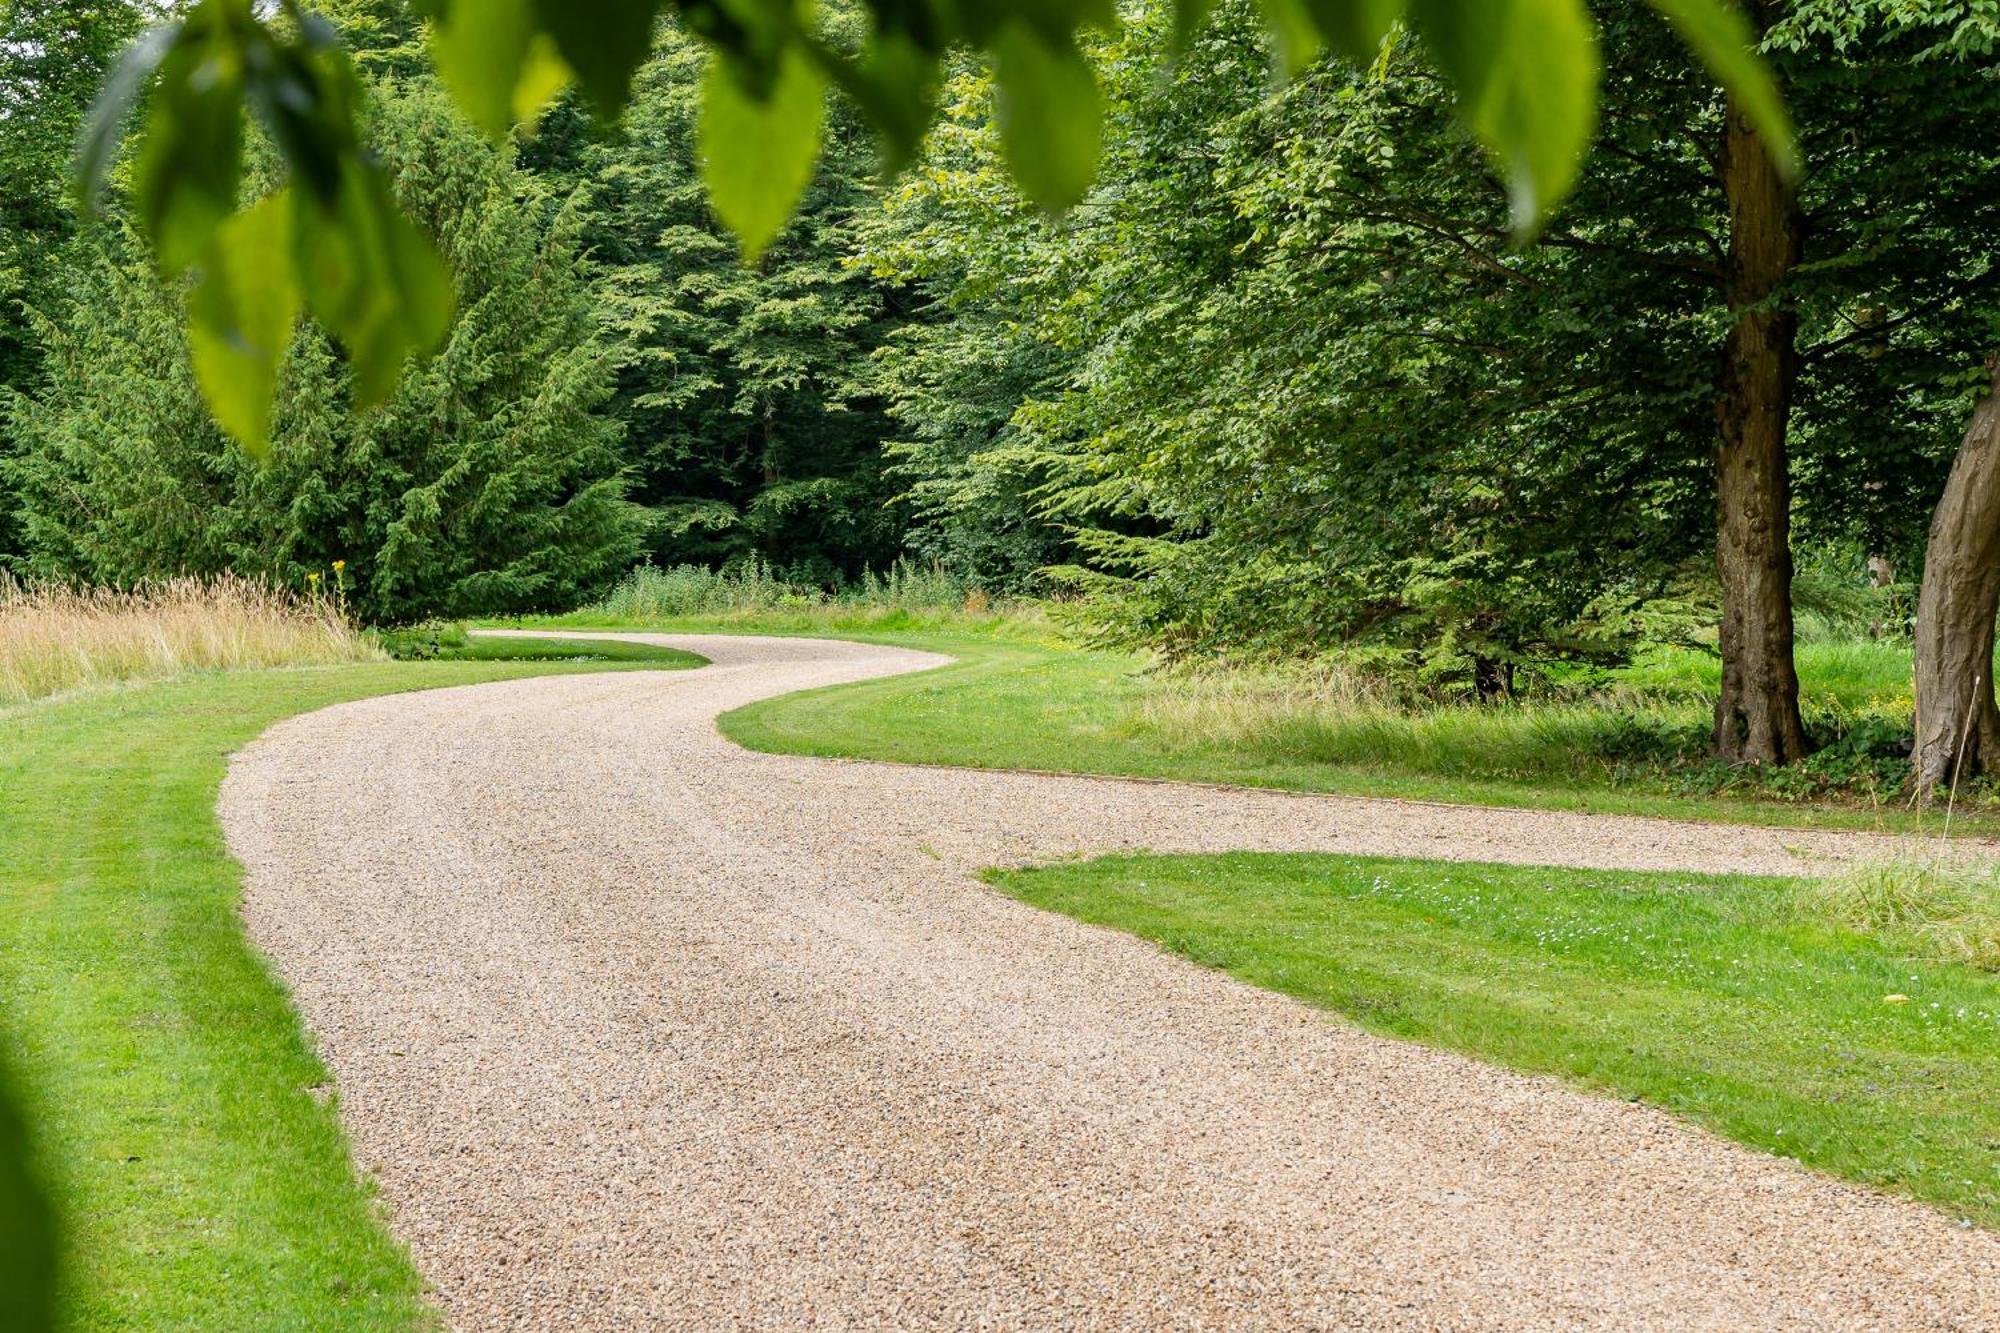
(340,566)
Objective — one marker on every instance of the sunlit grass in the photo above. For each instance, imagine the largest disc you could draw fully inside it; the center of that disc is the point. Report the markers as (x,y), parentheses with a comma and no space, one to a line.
(1022,701)
(54,639)
(1949,911)
(181,1119)
(1745,1005)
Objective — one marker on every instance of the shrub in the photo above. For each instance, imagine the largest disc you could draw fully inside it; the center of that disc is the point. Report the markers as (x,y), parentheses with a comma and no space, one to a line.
(751,588)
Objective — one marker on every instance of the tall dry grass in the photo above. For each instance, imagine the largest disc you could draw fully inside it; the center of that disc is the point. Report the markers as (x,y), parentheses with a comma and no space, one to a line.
(1935,908)
(1334,714)
(54,639)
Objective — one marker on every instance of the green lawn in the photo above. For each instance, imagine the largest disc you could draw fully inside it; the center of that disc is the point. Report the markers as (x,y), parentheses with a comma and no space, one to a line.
(181,1118)
(1715,998)
(1021,702)
(452,644)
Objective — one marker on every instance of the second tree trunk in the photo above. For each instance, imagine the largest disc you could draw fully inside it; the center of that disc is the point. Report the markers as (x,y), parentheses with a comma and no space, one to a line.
(1958,728)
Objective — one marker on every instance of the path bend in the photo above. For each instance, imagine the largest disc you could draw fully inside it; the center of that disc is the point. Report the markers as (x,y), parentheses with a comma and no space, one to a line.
(638,1029)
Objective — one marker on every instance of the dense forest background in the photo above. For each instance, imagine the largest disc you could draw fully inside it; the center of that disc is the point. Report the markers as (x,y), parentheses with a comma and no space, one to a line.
(1282,383)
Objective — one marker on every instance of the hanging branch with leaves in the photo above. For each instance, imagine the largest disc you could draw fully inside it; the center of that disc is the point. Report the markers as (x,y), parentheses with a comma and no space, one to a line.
(333,243)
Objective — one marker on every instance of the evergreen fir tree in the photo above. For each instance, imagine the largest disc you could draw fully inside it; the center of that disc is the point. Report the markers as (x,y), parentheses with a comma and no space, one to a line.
(490,482)
(749,395)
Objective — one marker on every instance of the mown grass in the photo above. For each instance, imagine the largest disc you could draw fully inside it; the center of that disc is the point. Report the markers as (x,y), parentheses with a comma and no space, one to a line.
(1734,1002)
(451,643)
(1018,700)
(181,1119)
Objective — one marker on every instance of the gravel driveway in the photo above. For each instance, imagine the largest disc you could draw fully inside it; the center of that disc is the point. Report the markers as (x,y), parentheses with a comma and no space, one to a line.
(637,1029)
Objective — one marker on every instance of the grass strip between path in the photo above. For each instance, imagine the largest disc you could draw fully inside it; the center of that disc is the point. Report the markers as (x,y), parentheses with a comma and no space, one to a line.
(1016,704)
(183,1124)
(1709,996)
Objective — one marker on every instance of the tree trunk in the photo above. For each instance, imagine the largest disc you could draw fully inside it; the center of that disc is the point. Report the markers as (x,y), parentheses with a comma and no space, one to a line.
(1958,727)
(1757,715)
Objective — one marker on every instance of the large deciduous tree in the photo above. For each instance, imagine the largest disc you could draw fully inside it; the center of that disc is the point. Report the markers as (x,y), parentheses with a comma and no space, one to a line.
(1291,337)
(1304,391)
(1757,709)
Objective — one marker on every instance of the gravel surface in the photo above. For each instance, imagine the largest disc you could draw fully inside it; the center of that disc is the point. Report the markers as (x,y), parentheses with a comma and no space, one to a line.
(637,1029)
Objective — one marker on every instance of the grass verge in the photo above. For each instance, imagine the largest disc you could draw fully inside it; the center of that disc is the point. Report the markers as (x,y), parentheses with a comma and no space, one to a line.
(179,1115)
(1725,1000)
(450,643)
(1016,699)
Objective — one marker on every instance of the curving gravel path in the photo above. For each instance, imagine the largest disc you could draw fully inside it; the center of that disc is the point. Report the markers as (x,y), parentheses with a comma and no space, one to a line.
(637,1029)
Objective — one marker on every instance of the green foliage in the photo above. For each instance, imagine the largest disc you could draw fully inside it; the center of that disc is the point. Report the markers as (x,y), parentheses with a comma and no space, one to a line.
(349,255)
(1283,382)
(54,55)
(758,152)
(488,482)
(1294,388)
(1525,71)
(753,424)
(650,593)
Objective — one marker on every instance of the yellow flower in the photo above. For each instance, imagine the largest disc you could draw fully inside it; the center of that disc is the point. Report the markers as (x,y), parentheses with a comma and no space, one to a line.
(1895,999)
(339,565)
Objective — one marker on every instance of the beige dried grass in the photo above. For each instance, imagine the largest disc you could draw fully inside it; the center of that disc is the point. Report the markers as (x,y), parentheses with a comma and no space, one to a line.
(54,639)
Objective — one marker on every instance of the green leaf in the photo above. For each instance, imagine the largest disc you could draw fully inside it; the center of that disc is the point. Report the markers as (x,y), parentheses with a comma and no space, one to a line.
(28,1248)
(1051,116)
(895,86)
(1293,32)
(240,318)
(1189,15)
(1526,75)
(374,279)
(603,41)
(191,163)
(757,155)
(98,138)
(1720,36)
(499,66)
(1355,28)
(306,95)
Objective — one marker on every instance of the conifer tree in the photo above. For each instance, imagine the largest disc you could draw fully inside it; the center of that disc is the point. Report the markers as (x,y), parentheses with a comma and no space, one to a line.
(754,422)
(489,482)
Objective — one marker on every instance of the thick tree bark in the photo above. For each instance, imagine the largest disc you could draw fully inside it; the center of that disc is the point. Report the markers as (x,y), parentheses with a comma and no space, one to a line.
(1958,727)
(1757,715)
